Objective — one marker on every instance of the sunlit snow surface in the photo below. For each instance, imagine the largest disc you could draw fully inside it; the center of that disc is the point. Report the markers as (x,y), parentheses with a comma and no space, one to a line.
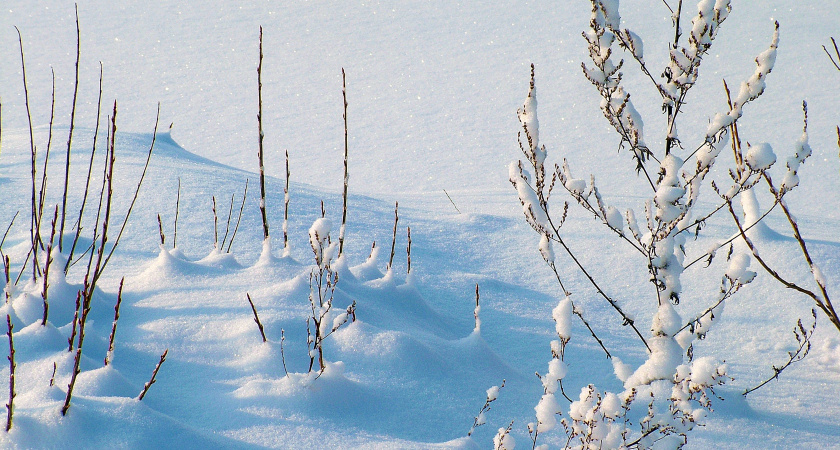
(433,92)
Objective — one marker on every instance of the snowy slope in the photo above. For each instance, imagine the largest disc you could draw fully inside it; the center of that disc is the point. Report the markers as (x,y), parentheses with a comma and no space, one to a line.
(433,91)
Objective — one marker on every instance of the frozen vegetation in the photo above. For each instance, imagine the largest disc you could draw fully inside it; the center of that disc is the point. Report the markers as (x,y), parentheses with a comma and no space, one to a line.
(203,246)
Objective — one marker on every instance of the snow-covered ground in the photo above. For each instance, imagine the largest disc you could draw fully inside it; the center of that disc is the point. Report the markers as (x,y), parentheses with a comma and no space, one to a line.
(433,90)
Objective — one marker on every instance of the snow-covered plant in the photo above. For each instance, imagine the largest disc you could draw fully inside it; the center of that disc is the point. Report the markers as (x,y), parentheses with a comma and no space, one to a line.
(481,419)
(671,390)
(322,282)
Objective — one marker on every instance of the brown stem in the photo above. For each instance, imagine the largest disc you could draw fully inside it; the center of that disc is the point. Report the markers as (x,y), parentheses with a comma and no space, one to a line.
(70,136)
(11,405)
(154,374)
(394,239)
(110,353)
(261,137)
(257,319)
(344,194)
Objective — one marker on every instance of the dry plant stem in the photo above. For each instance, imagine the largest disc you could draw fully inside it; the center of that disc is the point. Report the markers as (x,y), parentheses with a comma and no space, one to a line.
(106,194)
(42,192)
(85,309)
(177,208)
(154,375)
(52,378)
(45,291)
(110,353)
(160,231)
(408,253)
(33,224)
(89,172)
(227,226)
(137,189)
(475,312)
(823,303)
(450,201)
(286,207)
(6,264)
(282,350)
(3,240)
(344,194)
(836,53)
(11,405)
(257,319)
(239,217)
(72,339)
(261,137)
(70,136)
(394,239)
(803,336)
(827,308)
(215,226)
(627,319)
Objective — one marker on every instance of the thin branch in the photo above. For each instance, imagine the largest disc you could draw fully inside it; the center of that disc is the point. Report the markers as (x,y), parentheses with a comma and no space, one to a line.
(70,136)
(261,138)
(136,190)
(11,405)
(110,354)
(239,217)
(803,337)
(257,319)
(346,179)
(90,171)
(394,239)
(177,210)
(154,375)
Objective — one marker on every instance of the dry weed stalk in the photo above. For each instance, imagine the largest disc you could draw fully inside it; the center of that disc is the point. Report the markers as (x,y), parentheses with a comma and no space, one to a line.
(154,376)
(70,136)
(394,234)
(261,138)
(257,318)
(110,355)
(346,179)
(239,217)
(11,405)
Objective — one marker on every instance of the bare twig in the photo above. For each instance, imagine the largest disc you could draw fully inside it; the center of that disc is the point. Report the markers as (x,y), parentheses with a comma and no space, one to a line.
(803,337)
(257,318)
(11,405)
(110,354)
(227,226)
(346,179)
(33,225)
(283,351)
(136,190)
(160,231)
(154,374)
(72,339)
(215,225)
(451,201)
(408,251)
(394,239)
(492,394)
(44,293)
(836,53)
(70,136)
(87,182)
(177,210)
(239,217)
(286,209)
(261,137)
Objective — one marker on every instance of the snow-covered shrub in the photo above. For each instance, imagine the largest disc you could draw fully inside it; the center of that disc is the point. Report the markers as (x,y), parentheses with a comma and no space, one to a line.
(669,394)
(322,282)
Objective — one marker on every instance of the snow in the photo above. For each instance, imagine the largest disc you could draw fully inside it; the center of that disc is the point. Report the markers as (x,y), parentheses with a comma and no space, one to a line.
(433,92)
